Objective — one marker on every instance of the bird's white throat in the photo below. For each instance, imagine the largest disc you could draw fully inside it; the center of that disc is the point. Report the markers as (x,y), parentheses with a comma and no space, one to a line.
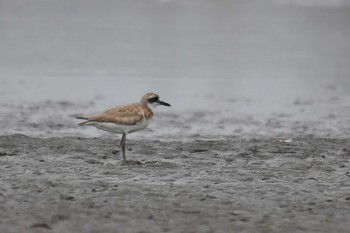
(153,105)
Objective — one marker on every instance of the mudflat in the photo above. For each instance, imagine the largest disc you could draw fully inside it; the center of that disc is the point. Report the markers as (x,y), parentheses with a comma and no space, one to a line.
(257,184)
(257,138)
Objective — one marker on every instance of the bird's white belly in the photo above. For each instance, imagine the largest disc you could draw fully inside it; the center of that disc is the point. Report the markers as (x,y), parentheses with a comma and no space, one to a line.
(118,128)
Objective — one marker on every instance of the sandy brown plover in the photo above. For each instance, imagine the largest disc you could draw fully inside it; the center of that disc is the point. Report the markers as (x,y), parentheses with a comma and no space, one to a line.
(125,119)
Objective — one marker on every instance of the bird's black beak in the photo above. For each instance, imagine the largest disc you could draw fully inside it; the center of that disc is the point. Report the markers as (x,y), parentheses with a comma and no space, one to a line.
(164,104)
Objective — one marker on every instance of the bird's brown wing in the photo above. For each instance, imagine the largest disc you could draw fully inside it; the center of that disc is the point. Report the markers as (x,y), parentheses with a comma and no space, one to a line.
(127,115)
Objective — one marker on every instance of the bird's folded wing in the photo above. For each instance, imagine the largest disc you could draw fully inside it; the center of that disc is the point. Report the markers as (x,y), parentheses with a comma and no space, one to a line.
(126,115)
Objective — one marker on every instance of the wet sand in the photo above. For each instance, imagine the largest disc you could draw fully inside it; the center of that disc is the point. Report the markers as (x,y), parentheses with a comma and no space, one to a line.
(261,184)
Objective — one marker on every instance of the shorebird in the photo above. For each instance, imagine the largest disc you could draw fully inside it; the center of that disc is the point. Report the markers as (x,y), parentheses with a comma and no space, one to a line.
(125,119)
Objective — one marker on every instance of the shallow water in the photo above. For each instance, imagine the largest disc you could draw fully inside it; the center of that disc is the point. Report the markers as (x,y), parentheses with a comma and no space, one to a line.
(227,67)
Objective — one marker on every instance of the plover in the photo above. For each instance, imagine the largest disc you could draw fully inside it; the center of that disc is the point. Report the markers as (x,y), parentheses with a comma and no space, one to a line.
(126,119)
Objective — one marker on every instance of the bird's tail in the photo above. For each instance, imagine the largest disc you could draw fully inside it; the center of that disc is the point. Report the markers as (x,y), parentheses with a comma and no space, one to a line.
(82,118)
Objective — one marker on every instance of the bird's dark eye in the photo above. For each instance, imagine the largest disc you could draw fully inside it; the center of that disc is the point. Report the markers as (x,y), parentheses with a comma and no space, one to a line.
(154,99)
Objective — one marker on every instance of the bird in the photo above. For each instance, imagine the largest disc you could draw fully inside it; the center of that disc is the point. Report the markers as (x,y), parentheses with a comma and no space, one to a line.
(125,119)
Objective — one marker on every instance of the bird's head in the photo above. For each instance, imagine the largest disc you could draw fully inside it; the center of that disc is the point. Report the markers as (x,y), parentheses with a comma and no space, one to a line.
(152,100)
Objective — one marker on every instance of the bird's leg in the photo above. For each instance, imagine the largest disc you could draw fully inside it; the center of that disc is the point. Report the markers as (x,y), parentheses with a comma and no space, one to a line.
(122,144)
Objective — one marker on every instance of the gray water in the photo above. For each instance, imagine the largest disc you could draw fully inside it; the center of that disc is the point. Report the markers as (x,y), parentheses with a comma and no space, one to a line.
(227,67)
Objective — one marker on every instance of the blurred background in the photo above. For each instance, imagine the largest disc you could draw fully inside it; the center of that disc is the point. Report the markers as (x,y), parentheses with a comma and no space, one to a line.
(228,67)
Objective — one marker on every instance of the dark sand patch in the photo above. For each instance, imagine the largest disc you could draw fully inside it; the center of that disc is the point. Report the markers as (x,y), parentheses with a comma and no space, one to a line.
(247,185)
